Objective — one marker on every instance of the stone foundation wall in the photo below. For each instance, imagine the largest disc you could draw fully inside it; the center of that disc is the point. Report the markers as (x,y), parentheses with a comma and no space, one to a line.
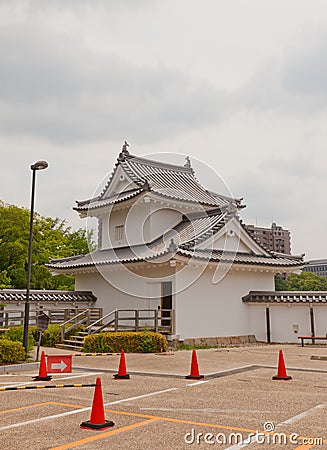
(221,341)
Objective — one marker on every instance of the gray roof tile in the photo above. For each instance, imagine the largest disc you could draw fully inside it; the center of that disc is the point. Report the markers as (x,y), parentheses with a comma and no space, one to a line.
(19,295)
(166,180)
(192,230)
(285,297)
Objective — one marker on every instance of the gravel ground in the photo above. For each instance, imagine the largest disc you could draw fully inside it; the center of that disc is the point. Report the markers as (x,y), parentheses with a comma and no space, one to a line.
(159,412)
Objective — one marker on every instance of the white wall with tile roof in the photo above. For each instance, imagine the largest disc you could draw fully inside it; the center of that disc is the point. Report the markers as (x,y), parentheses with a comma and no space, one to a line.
(283,318)
(206,309)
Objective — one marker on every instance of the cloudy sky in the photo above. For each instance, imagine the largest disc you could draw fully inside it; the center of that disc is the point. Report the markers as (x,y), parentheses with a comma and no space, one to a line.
(240,85)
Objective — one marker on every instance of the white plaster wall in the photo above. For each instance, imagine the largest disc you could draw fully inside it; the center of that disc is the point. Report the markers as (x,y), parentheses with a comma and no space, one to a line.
(161,220)
(320,315)
(137,228)
(257,314)
(231,243)
(206,309)
(147,291)
(144,222)
(116,218)
(108,297)
(282,318)
(122,289)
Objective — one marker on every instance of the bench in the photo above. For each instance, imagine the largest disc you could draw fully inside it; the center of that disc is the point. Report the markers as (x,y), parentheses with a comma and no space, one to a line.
(312,338)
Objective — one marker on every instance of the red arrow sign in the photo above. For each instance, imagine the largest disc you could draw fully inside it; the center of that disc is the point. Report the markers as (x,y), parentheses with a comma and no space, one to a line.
(59,363)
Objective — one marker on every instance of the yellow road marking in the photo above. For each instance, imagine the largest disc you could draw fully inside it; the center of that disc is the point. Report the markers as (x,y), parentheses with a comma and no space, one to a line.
(304,447)
(69,405)
(170,419)
(25,407)
(188,422)
(167,419)
(103,435)
(152,418)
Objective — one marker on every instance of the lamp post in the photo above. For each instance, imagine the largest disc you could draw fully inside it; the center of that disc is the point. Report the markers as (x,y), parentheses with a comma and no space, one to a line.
(39,165)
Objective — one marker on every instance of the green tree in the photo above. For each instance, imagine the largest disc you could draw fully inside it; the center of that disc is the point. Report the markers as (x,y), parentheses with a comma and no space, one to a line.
(52,238)
(280,284)
(5,281)
(305,281)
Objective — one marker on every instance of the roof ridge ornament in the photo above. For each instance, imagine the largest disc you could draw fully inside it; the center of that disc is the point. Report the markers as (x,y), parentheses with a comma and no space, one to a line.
(124,151)
(172,247)
(188,163)
(231,208)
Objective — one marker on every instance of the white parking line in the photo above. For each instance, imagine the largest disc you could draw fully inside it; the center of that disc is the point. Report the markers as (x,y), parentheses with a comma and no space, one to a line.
(24,383)
(289,421)
(198,382)
(76,411)
(206,410)
(302,415)
(139,396)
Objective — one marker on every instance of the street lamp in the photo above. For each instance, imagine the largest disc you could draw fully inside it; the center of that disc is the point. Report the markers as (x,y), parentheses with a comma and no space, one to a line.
(39,165)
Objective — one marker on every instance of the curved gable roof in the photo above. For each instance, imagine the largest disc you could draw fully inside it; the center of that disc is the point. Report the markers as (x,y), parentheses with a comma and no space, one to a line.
(167,180)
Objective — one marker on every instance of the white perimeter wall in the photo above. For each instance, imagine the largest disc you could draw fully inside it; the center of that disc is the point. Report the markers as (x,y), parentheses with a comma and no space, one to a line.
(206,309)
(282,320)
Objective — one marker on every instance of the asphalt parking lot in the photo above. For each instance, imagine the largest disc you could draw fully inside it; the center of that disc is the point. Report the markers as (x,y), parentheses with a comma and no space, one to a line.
(158,409)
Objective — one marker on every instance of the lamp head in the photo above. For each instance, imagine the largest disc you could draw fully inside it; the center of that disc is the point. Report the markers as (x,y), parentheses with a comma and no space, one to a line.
(39,165)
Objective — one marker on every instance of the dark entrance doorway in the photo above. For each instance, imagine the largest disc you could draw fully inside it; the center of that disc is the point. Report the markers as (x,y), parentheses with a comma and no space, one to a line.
(166,301)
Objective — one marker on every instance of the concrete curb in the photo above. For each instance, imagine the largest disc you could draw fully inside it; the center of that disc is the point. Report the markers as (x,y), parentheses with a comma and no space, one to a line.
(319,358)
(299,369)
(19,367)
(208,376)
(222,373)
(133,372)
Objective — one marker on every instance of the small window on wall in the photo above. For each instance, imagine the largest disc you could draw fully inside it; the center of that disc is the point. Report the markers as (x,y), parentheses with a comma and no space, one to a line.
(119,233)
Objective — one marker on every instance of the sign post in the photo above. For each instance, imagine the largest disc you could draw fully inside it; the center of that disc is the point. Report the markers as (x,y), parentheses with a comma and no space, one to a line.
(42,323)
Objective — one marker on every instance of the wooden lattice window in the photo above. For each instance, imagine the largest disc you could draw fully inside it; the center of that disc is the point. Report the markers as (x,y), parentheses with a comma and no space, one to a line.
(119,232)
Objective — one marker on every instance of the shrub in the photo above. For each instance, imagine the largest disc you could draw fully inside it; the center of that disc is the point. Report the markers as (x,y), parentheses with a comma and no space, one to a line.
(51,336)
(16,334)
(132,342)
(11,352)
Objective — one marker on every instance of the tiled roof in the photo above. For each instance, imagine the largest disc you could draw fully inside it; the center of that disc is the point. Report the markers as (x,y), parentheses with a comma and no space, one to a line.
(98,203)
(121,255)
(202,228)
(18,295)
(192,230)
(297,297)
(240,258)
(166,180)
(177,182)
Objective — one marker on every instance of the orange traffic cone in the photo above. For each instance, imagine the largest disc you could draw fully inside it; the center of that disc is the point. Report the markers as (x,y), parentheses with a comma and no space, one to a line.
(194,374)
(97,420)
(122,374)
(42,376)
(281,372)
